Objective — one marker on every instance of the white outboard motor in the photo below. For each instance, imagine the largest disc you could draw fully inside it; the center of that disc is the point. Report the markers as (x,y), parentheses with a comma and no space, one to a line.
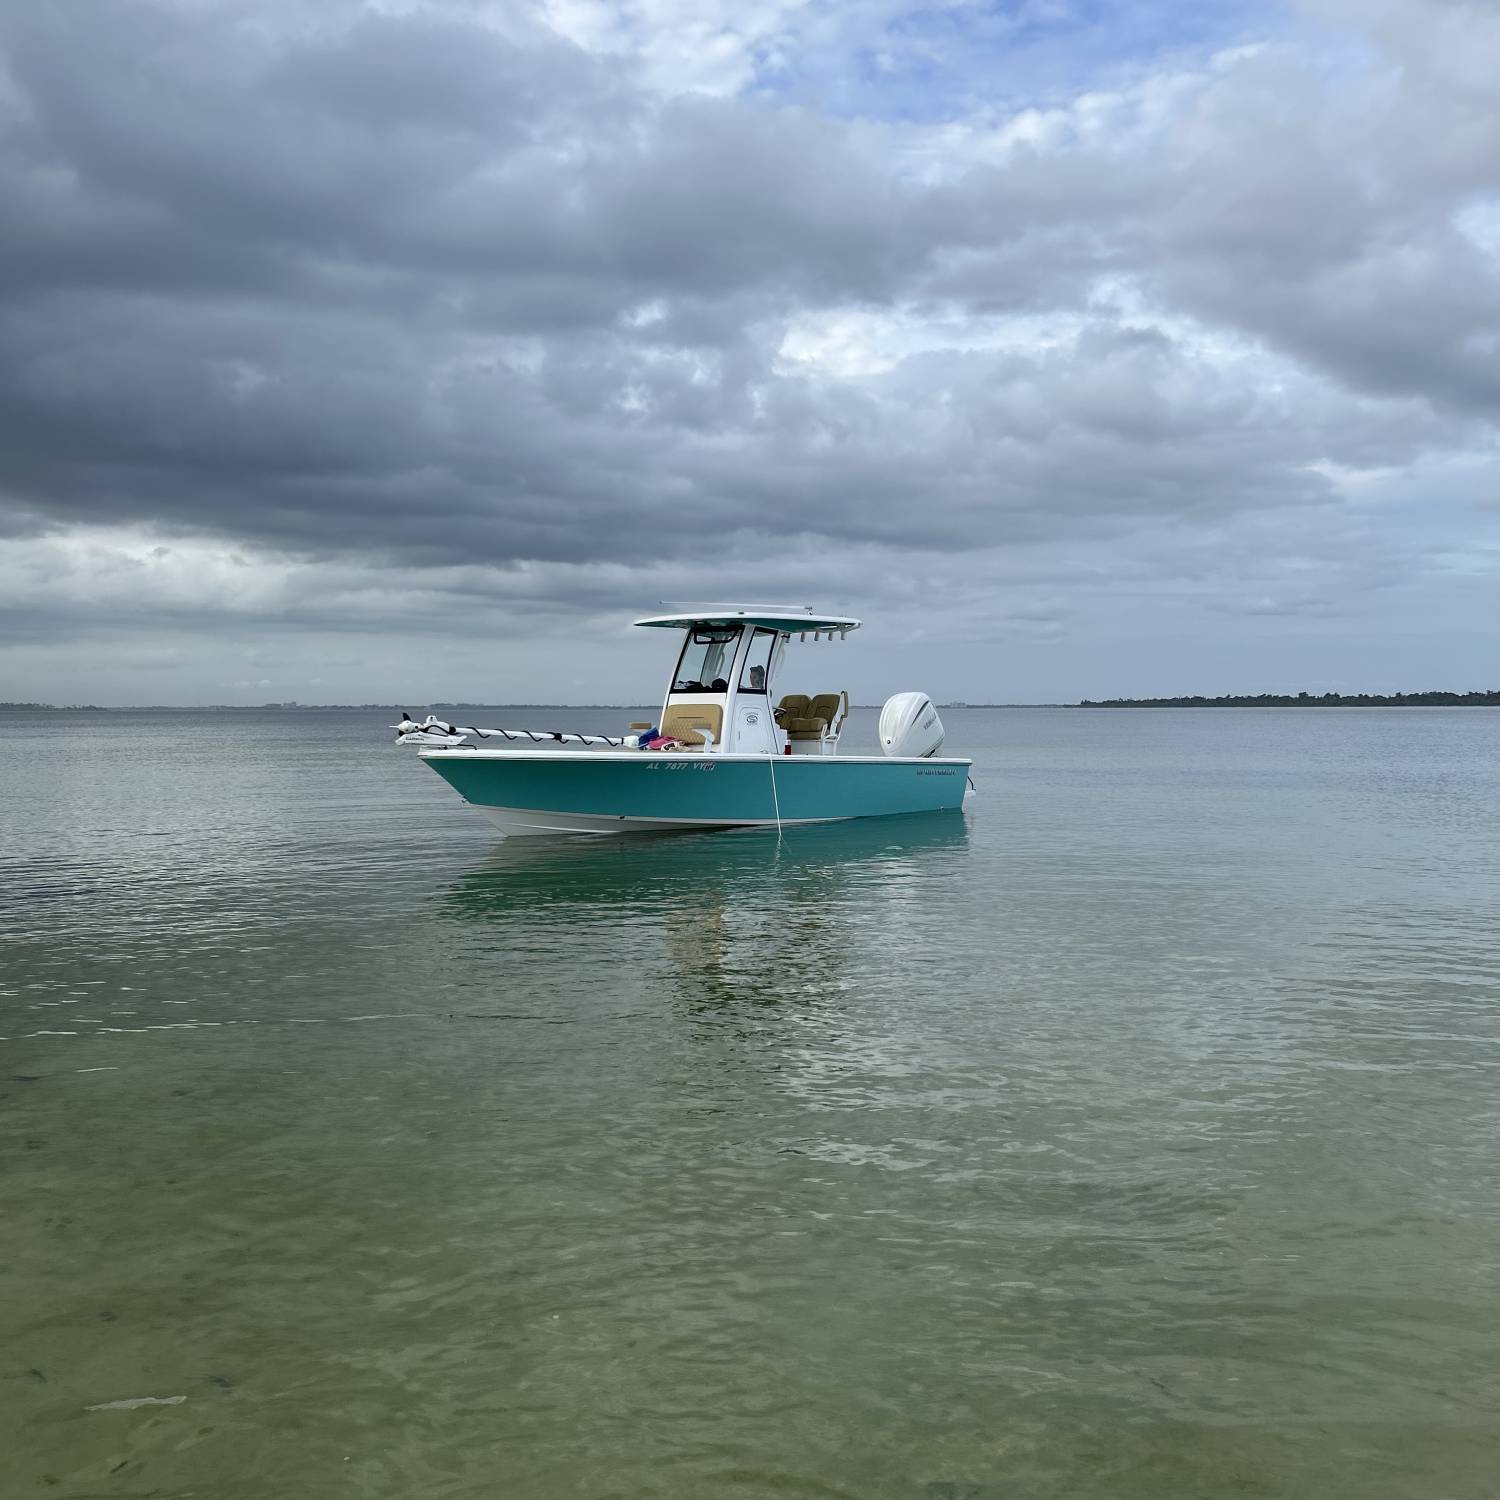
(910,727)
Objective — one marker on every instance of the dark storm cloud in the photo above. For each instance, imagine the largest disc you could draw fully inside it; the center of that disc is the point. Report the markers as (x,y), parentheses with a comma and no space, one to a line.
(265,287)
(413,288)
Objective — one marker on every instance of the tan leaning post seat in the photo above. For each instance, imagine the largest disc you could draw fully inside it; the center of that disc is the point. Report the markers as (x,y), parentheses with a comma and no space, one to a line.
(794,714)
(684,721)
(806,718)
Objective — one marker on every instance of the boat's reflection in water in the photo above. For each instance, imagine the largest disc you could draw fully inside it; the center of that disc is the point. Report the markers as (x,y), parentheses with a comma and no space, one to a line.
(713,918)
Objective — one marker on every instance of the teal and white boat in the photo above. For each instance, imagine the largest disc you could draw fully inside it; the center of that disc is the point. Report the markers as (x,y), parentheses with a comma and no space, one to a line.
(724,753)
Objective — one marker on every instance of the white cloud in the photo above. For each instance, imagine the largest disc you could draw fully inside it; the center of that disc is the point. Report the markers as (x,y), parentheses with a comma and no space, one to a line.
(681,46)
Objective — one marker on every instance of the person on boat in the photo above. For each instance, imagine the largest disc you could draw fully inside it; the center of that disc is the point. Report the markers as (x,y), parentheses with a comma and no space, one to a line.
(757,679)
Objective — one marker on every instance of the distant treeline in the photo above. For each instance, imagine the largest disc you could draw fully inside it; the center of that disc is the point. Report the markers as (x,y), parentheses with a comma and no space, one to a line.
(56,708)
(1307,700)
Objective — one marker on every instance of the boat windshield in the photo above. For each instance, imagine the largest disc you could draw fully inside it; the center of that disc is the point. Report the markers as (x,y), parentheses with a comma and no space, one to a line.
(758,662)
(706,659)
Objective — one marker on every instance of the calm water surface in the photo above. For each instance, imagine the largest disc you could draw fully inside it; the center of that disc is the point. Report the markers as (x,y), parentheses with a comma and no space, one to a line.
(1134,1134)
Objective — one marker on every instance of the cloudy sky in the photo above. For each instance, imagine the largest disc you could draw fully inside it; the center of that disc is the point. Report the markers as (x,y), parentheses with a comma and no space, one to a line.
(403,349)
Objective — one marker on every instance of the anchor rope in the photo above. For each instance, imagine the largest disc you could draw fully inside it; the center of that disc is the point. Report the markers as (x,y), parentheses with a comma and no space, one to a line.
(775,800)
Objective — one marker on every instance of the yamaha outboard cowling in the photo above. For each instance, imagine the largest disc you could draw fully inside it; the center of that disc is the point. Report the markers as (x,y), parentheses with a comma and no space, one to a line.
(910,727)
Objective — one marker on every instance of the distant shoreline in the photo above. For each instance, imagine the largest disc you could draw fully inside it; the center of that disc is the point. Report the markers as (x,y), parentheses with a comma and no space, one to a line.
(1308,700)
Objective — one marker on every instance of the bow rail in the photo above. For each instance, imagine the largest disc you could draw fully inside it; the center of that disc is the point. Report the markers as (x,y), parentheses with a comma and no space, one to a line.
(435,731)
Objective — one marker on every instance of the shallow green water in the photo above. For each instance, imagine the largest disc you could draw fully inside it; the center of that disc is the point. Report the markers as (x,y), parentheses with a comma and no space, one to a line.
(1133,1135)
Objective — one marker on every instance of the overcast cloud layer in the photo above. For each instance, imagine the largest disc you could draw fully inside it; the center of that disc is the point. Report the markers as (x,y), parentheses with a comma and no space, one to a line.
(403,351)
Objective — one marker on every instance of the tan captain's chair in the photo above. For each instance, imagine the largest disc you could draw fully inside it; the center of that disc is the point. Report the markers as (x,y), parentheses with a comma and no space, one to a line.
(793,706)
(832,709)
